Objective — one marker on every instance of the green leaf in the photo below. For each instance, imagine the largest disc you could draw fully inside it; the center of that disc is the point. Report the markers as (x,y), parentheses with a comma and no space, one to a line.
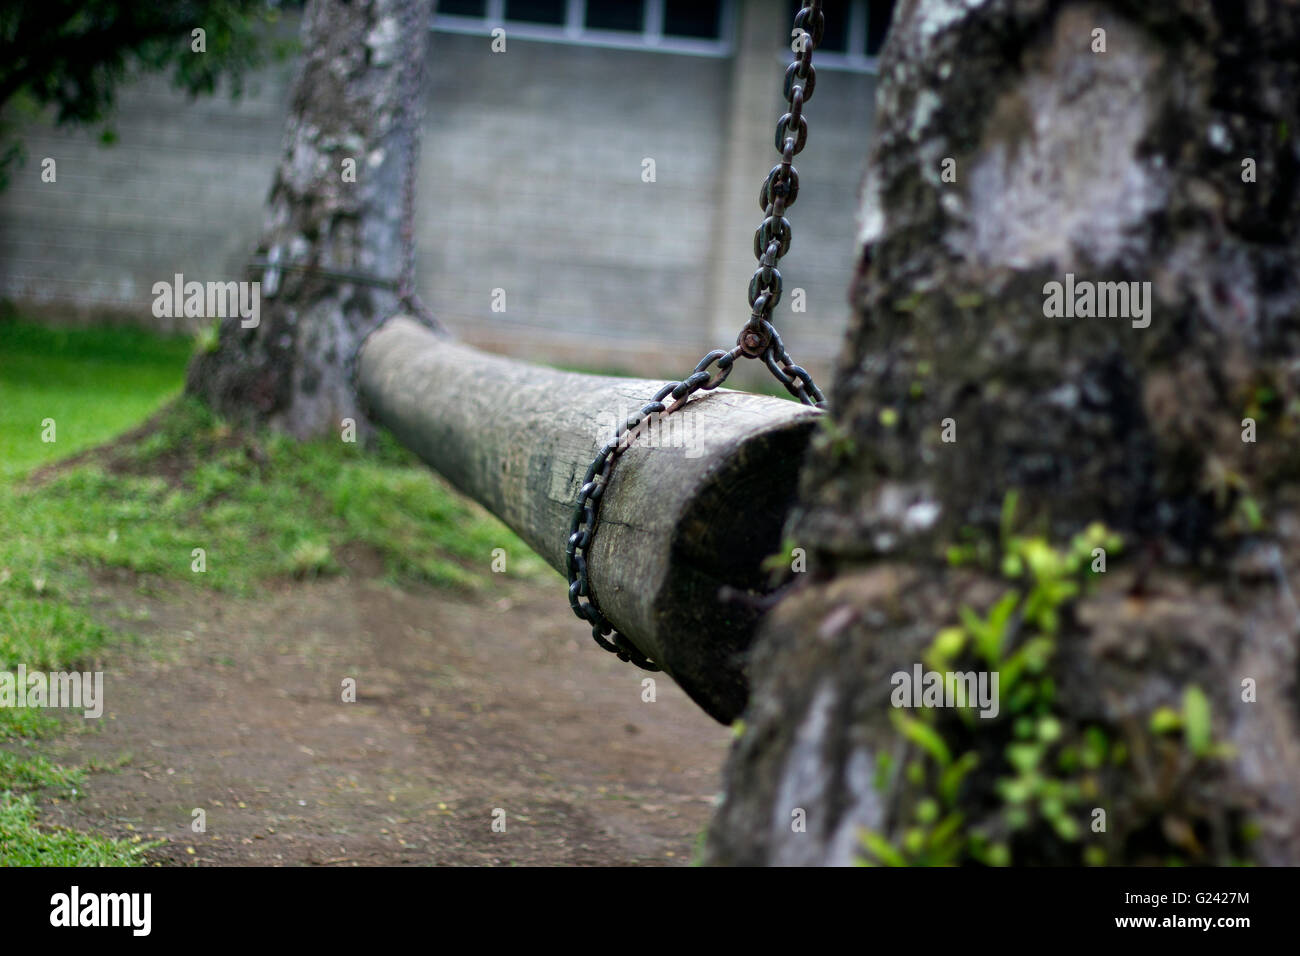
(1165,720)
(999,854)
(1196,720)
(1095,747)
(914,841)
(1043,561)
(883,850)
(959,554)
(884,767)
(1001,614)
(1007,524)
(989,634)
(1033,657)
(927,810)
(1067,828)
(948,643)
(1024,757)
(1016,790)
(1068,759)
(945,838)
(1049,729)
(1250,511)
(1022,697)
(951,778)
(924,736)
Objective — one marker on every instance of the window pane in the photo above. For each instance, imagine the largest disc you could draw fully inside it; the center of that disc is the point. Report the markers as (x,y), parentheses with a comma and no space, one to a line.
(616,15)
(879,13)
(835,38)
(693,18)
(536,11)
(463,8)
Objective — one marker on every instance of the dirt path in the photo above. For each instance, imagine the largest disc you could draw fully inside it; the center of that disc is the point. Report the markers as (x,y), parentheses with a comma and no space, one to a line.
(463,706)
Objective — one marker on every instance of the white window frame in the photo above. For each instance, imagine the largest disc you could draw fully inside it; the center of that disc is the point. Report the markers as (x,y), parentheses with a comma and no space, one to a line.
(651,37)
(855,58)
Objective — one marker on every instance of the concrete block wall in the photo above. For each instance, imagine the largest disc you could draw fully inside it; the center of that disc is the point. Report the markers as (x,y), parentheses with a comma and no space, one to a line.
(531,182)
(181,191)
(541,155)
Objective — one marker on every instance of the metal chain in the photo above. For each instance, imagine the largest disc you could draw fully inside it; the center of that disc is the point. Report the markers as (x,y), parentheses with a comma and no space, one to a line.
(583,525)
(758,338)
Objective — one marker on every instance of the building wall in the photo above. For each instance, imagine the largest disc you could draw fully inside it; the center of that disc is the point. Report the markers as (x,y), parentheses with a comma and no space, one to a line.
(181,191)
(531,182)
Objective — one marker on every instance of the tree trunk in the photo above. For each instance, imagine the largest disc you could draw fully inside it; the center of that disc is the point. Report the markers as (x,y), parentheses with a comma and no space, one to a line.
(1171,158)
(348,111)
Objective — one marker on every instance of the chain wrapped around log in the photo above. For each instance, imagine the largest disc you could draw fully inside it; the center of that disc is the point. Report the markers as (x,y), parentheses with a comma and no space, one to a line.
(694,506)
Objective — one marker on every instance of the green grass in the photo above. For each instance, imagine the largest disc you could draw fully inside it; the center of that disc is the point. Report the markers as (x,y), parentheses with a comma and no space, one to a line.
(45,635)
(25,841)
(93,383)
(261,507)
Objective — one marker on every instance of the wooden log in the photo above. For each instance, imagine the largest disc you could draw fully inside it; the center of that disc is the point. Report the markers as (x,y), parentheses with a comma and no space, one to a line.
(695,504)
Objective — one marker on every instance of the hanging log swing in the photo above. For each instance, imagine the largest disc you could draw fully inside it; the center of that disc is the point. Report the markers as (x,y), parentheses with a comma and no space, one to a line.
(660,550)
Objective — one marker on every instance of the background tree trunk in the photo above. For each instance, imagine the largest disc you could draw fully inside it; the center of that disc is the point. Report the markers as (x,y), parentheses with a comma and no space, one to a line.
(292,371)
(1122,165)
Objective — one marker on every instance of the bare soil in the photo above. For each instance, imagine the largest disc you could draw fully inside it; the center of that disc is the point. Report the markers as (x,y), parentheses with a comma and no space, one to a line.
(465,705)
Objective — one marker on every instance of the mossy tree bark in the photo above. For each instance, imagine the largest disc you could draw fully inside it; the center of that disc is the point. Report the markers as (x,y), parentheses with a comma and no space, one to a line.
(347,113)
(1173,157)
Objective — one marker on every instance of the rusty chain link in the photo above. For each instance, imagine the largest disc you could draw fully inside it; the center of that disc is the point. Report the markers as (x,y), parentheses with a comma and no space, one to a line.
(757,339)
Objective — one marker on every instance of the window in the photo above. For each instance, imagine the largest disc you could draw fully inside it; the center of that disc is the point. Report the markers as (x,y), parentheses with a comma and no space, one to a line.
(879,15)
(835,36)
(855,32)
(690,18)
(626,15)
(677,26)
(463,8)
(536,11)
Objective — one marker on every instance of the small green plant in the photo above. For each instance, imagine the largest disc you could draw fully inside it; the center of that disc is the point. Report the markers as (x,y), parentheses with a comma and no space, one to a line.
(780,564)
(1040,773)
